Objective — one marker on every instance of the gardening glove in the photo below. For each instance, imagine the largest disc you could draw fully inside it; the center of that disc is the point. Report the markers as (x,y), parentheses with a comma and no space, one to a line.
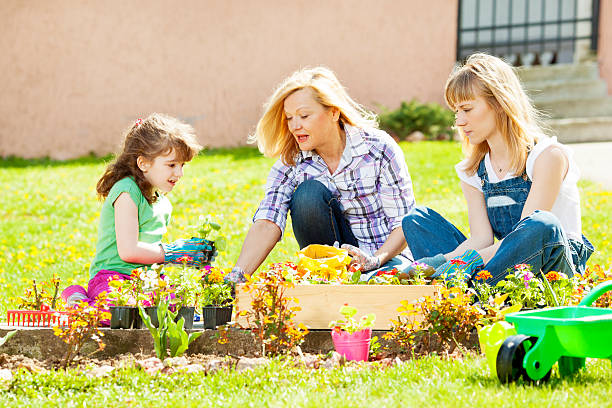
(193,252)
(236,275)
(368,262)
(467,264)
(428,265)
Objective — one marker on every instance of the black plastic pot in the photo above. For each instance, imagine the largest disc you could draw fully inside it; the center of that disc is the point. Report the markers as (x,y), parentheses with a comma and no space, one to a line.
(124,317)
(214,316)
(188,313)
(151,311)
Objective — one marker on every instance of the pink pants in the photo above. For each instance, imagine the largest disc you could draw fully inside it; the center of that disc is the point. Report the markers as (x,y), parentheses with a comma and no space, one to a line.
(97,285)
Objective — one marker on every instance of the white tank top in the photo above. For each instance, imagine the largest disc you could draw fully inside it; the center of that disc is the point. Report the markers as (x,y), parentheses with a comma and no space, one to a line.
(567,204)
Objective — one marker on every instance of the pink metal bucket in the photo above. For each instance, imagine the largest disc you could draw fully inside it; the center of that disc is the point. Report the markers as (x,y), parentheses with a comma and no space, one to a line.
(354,346)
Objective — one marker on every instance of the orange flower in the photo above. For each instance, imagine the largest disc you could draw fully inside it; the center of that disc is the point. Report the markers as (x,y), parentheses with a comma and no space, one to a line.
(483,275)
(215,276)
(553,276)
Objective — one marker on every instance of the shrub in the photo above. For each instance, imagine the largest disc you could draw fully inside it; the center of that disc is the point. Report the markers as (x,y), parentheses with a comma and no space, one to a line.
(430,119)
(593,276)
(271,313)
(83,324)
(449,314)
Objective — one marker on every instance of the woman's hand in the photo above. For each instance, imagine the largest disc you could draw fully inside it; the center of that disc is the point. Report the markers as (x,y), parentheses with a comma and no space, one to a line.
(362,258)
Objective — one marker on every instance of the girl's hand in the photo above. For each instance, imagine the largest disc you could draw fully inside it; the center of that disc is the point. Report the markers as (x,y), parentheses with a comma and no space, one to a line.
(368,262)
(193,252)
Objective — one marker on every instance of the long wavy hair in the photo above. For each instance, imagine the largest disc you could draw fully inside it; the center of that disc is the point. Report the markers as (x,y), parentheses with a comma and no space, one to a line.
(515,116)
(154,136)
(272,134)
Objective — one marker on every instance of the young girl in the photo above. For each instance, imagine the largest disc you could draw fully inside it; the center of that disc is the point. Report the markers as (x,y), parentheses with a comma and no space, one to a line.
(520,185)
(136,212)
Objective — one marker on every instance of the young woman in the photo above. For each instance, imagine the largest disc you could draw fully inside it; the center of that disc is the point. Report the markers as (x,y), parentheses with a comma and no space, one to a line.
(342,179)
(519,184)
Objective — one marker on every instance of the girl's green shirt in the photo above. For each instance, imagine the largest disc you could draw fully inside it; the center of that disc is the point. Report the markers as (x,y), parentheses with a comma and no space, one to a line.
(152,224)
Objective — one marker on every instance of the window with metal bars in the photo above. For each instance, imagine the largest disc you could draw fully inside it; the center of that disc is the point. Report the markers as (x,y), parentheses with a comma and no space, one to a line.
(528,32)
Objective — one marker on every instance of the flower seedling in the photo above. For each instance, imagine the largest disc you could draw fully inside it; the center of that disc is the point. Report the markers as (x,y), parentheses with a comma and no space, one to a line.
(169,334)
(215,291)
(41,296)
(209,229)
(186,284)
(349,324)
(154,284)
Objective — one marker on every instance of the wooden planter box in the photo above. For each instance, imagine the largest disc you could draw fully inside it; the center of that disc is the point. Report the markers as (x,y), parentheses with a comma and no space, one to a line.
(320,303)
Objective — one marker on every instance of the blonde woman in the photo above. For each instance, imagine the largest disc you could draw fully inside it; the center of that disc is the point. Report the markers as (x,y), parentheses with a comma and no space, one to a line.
(520,185)
(341,179)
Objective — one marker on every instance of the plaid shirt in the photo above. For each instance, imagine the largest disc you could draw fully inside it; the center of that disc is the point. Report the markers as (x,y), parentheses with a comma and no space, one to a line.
(371,183)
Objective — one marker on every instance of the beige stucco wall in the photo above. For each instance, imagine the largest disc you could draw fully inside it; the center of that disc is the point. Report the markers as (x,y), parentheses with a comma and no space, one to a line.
(605,42)
(74,73)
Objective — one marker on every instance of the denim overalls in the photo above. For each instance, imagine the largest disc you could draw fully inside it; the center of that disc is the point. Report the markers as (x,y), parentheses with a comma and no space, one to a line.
(538,239)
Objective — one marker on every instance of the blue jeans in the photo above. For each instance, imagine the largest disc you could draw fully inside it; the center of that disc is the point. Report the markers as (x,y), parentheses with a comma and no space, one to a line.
(537,240)
(317,216)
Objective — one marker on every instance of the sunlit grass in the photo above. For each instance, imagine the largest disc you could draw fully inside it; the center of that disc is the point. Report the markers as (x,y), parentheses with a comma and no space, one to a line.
(430,381)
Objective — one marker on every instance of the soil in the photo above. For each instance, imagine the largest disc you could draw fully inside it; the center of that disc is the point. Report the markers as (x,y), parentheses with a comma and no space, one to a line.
(204,362)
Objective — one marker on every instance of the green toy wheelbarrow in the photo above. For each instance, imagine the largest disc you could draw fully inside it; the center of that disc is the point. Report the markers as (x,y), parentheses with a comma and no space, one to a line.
(565,334)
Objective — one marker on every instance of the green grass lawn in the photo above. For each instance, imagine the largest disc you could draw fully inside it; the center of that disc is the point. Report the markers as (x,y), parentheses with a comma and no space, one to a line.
(49,217)
(427,382)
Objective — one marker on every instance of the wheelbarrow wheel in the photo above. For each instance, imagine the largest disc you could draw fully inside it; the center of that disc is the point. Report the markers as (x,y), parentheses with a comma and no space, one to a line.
(570,365)
(510,357)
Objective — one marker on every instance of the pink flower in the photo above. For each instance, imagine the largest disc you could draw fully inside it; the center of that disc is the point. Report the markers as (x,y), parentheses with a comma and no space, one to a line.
(527,275)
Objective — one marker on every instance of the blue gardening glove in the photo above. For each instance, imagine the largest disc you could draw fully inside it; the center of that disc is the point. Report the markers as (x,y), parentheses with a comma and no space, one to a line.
(428,265)
(236,275)
(467,265)
(193,252)
(368,262)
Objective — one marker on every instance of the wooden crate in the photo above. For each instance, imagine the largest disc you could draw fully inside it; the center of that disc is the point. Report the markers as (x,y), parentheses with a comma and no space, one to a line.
(320,303)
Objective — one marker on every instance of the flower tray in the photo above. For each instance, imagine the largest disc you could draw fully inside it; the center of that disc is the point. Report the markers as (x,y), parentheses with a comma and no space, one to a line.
(35,318)
(320,303)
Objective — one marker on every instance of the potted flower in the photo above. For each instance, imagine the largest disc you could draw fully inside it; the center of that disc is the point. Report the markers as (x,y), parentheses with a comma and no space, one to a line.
(216,297)
(187,288)
(123,299)
(352,337)
(155,288)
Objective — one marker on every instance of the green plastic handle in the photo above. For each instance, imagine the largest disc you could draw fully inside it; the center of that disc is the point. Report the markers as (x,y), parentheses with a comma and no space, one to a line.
(595,293)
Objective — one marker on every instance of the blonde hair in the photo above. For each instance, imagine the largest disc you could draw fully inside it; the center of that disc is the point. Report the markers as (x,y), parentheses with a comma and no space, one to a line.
(272,134)
(154,136)
(515,117)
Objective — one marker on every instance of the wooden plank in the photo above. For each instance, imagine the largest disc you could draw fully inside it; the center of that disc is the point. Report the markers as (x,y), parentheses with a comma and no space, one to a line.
(320,303)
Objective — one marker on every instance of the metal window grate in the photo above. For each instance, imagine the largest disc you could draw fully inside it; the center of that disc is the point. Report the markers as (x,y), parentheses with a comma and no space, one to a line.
(527,31)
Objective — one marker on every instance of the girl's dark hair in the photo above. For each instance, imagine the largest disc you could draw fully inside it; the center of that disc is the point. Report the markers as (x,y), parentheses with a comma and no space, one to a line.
(154,136)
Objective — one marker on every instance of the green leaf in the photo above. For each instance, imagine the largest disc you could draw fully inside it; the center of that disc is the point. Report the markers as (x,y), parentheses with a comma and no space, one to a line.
(7,336)
(221,243)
